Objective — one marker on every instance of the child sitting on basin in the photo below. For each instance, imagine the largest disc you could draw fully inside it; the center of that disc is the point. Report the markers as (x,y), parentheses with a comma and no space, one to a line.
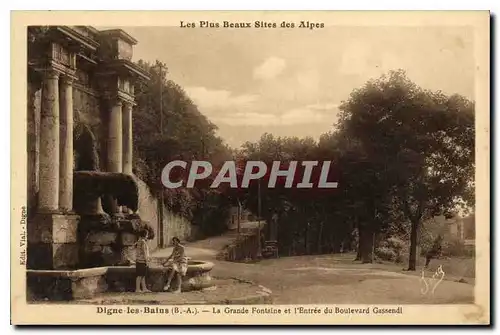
(141,262)
(177,263)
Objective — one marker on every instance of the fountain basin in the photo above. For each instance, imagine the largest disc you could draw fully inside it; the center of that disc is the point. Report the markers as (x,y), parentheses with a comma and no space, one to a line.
(122,278)
(60,285)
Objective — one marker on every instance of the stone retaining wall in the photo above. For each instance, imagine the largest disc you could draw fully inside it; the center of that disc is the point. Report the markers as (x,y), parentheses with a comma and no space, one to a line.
(174,225)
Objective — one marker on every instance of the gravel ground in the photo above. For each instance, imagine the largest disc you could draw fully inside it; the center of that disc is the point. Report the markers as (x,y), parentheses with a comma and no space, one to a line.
(225,291)
(336,279)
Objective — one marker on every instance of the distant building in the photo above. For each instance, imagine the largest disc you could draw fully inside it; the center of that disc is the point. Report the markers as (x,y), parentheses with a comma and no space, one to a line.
(469,229)
(463,229)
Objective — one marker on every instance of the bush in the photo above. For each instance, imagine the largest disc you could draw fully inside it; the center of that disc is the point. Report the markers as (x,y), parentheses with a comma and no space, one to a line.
(212,213)
(397,244)
(426,242)
(386,254)
(391,249)
(180,201)
(454,247)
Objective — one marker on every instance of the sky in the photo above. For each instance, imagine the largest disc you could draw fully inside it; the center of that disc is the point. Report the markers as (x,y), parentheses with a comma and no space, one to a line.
(291,82)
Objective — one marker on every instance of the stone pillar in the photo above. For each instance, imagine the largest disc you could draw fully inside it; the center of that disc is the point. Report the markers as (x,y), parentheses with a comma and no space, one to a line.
(52,237)
(127,138)
(48,198)
(115,138)
(66,148)
(53,241)
(115,143)
(33,116)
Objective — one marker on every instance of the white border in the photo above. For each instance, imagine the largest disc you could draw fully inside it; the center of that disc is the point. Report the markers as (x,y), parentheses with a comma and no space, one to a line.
(189,5)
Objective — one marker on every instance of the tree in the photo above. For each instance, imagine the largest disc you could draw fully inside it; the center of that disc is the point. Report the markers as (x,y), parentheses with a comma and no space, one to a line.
(420,144)
(305,218)
(181,132)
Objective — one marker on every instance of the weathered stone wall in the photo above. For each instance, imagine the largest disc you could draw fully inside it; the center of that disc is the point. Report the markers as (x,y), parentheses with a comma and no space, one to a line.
(174,224)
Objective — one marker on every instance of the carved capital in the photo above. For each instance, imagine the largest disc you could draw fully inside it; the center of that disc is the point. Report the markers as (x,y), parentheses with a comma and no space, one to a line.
(67,80)
(111,99)
(128,105)
(51,74)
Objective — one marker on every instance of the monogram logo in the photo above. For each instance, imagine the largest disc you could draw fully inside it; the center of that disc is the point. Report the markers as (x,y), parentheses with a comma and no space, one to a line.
(431,284)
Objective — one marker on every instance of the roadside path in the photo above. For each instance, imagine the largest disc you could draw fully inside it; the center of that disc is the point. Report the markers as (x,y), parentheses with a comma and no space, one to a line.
(327,279)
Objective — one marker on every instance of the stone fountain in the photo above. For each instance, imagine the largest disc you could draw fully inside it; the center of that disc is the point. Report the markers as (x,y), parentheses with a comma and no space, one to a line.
(107,237)
(82,216)
(106,244)
(121,278)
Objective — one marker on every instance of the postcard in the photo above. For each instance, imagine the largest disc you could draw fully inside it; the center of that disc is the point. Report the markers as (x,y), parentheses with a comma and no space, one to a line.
(260,167)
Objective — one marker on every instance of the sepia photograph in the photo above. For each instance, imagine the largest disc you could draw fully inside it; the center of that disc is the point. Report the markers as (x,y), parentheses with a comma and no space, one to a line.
(249,165)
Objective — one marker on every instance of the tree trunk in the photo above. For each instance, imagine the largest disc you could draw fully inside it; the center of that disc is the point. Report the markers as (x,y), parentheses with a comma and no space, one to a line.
(358,253)
(319,243)
(360,246)
(291,236)
(306,240)
(239,218)
(367,247)
(412,262)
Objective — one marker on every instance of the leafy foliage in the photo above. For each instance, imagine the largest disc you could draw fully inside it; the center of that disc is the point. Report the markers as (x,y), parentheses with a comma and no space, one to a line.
(401,154)
(419,143)
(386,254)
(174,129)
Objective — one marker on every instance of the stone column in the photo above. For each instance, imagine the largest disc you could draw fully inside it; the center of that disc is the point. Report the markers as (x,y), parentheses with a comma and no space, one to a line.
(66,147)
(127,138)
(115,138)
(115,143)
(52,236)
(48,197)
(33,116)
